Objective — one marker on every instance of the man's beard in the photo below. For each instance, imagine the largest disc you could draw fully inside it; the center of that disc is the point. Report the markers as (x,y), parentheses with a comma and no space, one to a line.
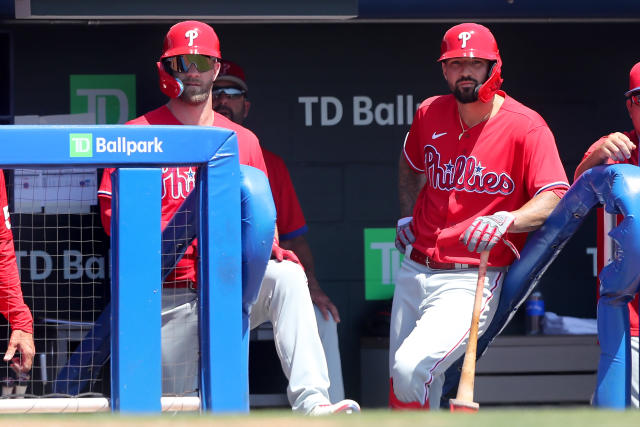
(466,94)
(225,111)
(234,116)
(195,95)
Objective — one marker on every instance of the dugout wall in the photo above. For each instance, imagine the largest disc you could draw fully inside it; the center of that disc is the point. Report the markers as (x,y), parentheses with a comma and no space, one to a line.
(344,165)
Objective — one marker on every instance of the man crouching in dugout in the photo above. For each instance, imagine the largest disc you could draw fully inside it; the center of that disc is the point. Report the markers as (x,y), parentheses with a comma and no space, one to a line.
(478,171)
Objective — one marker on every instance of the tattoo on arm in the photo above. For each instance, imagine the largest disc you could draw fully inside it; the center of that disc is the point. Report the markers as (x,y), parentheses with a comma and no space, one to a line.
(409,186)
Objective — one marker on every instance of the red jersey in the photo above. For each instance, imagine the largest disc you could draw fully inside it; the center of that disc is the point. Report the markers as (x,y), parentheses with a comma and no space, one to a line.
(604,227)
(12,304)
(497,165)
(177,183)
(290,220)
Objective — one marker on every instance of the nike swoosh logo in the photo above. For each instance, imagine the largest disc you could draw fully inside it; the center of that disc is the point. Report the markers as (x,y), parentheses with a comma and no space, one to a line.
(437,135)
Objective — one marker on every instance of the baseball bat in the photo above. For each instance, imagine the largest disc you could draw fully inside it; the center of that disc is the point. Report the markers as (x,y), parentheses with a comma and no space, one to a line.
(464,399)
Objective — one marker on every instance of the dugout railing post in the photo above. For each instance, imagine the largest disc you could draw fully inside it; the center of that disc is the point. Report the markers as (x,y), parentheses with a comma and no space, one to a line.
(224,384)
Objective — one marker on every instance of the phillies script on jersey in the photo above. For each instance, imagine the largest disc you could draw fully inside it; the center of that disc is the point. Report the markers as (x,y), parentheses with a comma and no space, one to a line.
(465,174)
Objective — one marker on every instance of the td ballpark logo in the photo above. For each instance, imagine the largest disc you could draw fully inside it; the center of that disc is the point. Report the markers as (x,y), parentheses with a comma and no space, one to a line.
(81,145)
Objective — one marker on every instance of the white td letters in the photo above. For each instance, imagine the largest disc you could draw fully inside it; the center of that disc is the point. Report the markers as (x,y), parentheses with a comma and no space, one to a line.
(365,111)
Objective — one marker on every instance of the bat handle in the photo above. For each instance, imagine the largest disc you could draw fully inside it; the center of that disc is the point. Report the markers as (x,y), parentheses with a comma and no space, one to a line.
(467,376)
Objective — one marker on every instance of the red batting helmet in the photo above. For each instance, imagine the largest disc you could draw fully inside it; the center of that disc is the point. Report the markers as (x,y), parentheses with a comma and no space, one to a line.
(474,41)
(184,38)
(191,37)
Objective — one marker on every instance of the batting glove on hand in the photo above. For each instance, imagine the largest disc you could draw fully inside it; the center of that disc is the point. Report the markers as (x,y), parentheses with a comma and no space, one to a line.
(283,254)
(486,231)
(404,233)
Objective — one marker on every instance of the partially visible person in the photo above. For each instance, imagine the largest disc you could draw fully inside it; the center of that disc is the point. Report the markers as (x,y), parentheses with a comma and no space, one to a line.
(621,147)
(12,304)
(231,99)
(477,172)
(188,67)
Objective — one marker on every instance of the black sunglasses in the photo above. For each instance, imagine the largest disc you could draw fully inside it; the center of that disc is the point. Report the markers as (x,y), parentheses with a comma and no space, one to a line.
(182,63)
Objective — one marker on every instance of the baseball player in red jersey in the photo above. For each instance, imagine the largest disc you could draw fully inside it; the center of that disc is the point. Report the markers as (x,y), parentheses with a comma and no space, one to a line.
(188,66)
(477,172)
(12,304)
(230,97)
(621,147)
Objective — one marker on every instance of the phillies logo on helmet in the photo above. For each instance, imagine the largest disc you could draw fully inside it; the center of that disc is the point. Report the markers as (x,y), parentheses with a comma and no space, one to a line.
(464,36)
(191,35)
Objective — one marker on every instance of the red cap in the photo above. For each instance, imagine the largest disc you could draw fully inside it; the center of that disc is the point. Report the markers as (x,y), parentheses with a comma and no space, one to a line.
(634,79)
(231,72)
(191,37)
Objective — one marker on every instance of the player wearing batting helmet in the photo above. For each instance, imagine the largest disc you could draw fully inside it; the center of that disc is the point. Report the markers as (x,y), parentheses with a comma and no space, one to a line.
(620,147)
(188,66)
(478,170)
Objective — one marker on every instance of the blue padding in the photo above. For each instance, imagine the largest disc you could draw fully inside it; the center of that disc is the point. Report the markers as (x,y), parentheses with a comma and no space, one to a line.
(258,227)
(614,372)
(616,186)
(258,214)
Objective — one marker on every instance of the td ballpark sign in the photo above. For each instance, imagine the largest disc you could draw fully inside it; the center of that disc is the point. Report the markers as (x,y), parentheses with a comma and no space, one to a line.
(330,111)
(81,145)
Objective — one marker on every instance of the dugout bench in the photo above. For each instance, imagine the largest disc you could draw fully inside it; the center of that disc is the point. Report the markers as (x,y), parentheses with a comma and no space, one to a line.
(515,370)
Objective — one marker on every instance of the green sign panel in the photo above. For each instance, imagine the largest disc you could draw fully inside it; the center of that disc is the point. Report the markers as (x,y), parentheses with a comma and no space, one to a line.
(111,97)
(381,262)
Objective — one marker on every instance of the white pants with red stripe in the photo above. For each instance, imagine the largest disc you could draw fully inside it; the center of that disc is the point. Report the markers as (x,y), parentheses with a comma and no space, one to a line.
(634,372)
(430,321)
(284,300)
(328,331)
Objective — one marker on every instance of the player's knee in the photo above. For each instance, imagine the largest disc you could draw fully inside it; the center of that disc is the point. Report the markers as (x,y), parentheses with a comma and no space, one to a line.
(290,281)
(402,373)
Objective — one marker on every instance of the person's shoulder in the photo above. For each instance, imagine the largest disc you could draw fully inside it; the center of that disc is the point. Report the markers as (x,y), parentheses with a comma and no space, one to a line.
(159,116)
(522,113)
(271,155)
(242,132)
(271,158)
(438,101)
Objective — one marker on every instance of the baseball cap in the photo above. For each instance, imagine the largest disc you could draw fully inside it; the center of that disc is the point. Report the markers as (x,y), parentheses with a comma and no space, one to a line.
(634,79)
(231,72)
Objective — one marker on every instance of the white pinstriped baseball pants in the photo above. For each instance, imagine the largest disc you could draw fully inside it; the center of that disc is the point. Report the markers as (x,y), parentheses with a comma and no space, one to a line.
(430,321)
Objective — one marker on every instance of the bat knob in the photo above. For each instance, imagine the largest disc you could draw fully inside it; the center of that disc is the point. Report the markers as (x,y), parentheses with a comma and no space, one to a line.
(456,405)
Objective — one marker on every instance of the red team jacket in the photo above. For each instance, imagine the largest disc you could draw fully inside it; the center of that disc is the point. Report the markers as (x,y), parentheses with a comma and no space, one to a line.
(497,165)
(12,305)
(177,183)
(290,220)
(633,305)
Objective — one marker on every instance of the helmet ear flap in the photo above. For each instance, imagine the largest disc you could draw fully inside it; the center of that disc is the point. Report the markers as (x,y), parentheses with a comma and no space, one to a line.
(489,88)
(169,85)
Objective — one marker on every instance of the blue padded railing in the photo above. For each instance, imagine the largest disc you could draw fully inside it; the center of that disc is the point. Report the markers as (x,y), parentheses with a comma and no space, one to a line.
(618,188)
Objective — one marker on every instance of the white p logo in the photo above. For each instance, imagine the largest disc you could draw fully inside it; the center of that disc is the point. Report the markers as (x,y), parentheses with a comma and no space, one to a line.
(191,35)
(464,36)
